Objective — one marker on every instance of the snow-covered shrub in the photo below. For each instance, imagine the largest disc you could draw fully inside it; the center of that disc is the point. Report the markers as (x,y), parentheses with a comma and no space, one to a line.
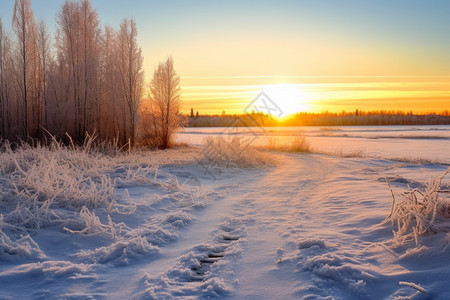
(419,211)
(118,253)
(299,144)
(233,154)
(93,225)
(23,246)
(361,153)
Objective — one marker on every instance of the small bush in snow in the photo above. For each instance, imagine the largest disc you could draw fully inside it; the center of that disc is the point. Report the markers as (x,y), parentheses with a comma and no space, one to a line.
(233,154)
(418,211)
(300,144)
(361,153)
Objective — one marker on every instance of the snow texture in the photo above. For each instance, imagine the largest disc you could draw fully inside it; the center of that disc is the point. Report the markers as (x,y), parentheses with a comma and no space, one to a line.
(78,224)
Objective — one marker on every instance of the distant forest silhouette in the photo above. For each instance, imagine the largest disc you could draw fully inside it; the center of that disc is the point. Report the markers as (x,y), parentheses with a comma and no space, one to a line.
(355,118)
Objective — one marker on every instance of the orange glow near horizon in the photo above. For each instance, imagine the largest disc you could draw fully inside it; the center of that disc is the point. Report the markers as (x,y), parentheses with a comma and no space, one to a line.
(333,94)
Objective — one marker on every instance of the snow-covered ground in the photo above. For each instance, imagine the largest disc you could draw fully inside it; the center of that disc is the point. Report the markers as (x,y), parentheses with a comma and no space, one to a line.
(410,143)
(155,225)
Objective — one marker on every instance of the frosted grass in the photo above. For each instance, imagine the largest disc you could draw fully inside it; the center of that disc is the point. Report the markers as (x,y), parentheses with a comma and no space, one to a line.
(420,211)
(73,188)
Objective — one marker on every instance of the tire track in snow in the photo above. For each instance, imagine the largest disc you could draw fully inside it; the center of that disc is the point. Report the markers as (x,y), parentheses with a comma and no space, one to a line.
(199,271)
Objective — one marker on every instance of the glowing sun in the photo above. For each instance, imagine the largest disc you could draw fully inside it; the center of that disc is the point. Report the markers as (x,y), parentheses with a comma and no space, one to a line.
(289,97)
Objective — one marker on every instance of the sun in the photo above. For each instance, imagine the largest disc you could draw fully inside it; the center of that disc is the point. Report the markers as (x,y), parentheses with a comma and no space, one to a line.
(291,98)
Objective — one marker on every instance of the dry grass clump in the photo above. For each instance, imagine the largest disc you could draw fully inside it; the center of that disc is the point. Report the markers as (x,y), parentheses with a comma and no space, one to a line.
(418,212)
(299,144)
(360,153)
(330,129)
(233,153)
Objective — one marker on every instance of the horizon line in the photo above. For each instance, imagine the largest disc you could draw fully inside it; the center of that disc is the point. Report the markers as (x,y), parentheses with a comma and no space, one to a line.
(315,76)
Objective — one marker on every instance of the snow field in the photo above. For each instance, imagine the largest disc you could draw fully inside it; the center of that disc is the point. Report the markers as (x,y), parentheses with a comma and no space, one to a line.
(80,224)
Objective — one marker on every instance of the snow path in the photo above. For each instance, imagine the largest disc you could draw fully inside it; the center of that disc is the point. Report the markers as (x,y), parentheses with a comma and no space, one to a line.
(278,208)
(266,203)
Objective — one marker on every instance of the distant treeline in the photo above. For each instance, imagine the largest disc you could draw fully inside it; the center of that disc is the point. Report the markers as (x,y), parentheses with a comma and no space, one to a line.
(355,118)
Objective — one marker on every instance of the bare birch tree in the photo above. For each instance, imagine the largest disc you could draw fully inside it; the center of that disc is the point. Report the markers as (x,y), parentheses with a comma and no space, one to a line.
(7,96)
(43,45)
(78,44)
(130,63)
(25,29)
(2,92)
(4,95)
(163,115)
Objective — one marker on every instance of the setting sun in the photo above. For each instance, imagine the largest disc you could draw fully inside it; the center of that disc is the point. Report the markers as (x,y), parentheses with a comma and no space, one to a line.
(289,97)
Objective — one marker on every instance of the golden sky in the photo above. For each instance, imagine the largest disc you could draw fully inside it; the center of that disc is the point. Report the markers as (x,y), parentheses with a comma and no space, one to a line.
(317,94)
(316,56)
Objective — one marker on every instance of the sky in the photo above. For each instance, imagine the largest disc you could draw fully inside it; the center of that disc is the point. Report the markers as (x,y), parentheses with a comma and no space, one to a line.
(306,55)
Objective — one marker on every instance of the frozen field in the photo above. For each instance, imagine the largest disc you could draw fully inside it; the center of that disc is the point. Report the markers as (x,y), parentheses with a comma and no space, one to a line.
(424,143)
(154,225)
